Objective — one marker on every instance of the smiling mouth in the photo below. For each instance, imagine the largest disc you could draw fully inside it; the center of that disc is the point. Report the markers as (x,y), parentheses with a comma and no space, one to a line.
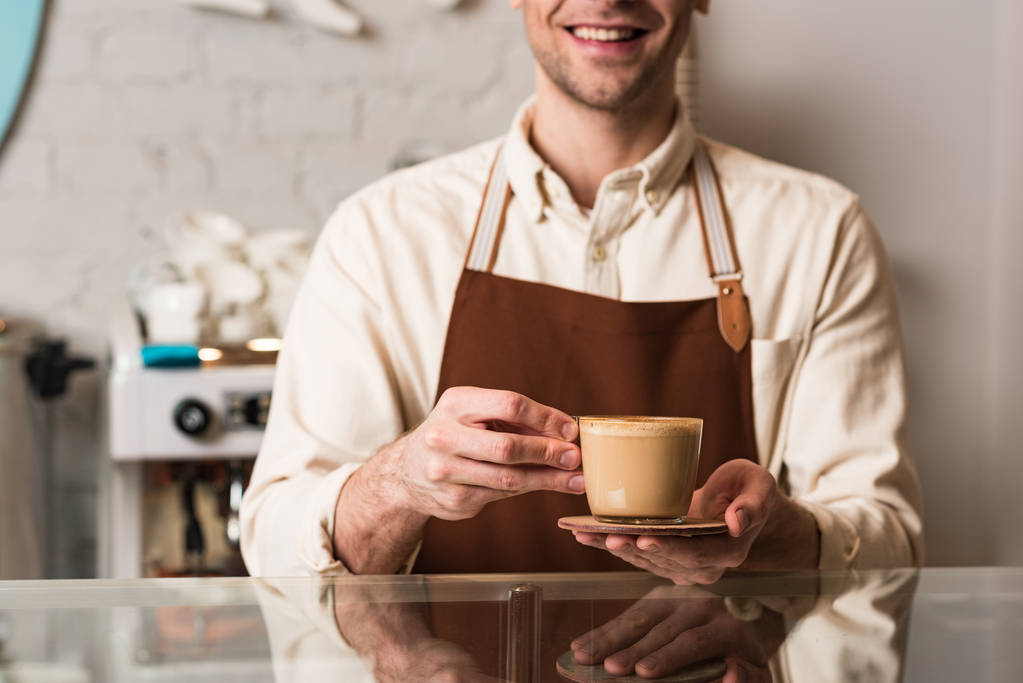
(605,35)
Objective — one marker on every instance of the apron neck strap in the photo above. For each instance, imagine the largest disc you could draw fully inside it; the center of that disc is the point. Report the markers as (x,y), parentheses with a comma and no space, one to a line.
(719,246)
(486,234)
(718,243)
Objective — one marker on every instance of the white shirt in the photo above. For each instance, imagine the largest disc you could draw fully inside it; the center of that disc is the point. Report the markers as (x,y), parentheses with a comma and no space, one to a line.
(362,351)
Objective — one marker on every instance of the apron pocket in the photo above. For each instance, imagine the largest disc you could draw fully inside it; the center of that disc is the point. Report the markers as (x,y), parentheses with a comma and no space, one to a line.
(774,362)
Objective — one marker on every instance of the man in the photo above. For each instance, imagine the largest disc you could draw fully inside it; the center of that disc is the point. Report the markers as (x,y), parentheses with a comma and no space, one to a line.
(600,259)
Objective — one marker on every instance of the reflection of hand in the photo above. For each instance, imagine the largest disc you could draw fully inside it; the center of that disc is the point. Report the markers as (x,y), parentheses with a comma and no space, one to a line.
(765,530)
(665,632)
(394,636)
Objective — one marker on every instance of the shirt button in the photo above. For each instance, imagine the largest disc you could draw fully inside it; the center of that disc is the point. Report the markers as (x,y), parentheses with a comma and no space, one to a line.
(599,253)
(652,196)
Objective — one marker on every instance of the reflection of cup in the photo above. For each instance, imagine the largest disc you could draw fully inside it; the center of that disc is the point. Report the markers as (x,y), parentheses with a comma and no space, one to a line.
(640,470)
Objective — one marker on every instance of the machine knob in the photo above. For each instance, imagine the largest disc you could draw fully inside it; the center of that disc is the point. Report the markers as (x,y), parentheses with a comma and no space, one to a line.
(193,417)
(256,410)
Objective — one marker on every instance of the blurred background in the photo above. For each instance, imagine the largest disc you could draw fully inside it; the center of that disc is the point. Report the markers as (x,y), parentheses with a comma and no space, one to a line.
(139,113)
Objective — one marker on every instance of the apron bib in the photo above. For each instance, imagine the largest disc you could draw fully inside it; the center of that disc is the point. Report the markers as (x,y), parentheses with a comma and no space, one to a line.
(590,355)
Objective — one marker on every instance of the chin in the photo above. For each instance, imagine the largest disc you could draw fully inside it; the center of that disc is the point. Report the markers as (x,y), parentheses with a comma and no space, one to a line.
(609,99)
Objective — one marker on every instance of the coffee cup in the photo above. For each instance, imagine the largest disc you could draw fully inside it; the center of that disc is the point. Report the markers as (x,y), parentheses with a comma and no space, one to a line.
(638,469)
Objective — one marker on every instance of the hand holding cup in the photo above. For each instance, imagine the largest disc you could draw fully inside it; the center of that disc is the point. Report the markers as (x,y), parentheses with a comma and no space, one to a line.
(481,445)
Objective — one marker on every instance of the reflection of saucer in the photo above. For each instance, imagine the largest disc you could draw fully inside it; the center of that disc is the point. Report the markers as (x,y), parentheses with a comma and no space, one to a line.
(692,527)
(702,672)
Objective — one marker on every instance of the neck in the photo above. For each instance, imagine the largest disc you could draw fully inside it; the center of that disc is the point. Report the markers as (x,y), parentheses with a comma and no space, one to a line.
(583,145)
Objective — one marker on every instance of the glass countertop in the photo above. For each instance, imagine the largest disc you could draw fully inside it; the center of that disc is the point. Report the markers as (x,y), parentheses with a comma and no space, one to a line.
(928,625)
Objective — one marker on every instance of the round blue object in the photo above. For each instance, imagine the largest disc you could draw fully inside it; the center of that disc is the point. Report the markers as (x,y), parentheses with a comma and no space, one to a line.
(20,24)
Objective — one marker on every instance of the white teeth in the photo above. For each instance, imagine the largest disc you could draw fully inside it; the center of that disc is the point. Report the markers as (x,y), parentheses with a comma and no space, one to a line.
(603,35)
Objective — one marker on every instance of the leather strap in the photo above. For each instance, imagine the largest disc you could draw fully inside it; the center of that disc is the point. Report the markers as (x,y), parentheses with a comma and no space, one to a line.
(733,314)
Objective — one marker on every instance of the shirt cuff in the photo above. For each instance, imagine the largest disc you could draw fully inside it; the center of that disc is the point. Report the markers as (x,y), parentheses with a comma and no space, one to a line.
(840,542)
(317,548)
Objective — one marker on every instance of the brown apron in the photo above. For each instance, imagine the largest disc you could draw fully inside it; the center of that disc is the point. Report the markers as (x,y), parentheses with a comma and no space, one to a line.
(590,355)
(585,355)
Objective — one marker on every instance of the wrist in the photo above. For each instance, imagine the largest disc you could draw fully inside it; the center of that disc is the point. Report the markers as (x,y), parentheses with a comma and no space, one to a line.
(789,540)
(376,526)
(387,478)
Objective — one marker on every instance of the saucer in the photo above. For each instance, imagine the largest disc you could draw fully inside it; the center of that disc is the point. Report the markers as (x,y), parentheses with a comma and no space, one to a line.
(702,672)
(691,527)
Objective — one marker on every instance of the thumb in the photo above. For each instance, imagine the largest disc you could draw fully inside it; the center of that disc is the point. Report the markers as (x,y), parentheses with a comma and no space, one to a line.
(741,492)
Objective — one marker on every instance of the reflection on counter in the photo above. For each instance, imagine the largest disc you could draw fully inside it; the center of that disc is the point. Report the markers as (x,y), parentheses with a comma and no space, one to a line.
(962,625)
(785,629)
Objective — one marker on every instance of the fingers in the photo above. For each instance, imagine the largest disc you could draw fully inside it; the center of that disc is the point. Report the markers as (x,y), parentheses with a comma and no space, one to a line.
(475,406)
(500,447)
(632,556)
(686,561)
(750,509)
(623,631)
(736,485)
(686,648)
(700,552)
(651,645)
(511,480)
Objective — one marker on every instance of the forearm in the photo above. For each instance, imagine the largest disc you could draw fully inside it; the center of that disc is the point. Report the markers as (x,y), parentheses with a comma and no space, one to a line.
(790,539)
(375,529)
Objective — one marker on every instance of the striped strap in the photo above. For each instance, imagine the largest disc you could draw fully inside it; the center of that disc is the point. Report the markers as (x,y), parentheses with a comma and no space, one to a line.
(733,310)
(724,264)
(482,253)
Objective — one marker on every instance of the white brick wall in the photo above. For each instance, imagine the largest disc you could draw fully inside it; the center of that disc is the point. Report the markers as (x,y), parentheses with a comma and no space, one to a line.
(144,108)
(141,108)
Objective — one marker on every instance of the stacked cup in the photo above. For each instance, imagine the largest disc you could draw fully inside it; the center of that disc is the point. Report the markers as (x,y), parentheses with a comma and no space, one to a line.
(219,283)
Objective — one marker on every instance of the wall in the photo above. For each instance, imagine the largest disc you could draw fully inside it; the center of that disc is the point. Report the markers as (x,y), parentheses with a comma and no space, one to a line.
(1005,429)
(142,109)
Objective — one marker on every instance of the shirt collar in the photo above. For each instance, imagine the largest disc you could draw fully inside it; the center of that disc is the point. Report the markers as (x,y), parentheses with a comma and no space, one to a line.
(657,174)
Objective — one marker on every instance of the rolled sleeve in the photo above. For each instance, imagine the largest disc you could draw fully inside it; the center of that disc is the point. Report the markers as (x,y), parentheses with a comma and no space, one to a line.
(317,548)
(840,542)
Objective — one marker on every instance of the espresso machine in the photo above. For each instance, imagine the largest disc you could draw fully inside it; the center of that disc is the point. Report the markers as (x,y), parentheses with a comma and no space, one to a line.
(181,441)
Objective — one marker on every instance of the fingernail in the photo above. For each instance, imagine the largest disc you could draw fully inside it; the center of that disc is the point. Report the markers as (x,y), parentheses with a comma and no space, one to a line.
(568,430)
(577,483)
(648,663)
(569,460)
(740,515)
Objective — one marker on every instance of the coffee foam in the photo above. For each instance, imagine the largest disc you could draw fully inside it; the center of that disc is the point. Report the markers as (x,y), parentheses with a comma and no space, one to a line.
(636,425)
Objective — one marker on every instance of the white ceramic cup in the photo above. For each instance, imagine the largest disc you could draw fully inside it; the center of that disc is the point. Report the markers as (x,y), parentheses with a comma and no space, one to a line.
(172,312)
(230,284)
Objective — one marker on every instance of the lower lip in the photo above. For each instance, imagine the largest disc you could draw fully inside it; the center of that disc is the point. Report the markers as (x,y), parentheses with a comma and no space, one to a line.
(622,48)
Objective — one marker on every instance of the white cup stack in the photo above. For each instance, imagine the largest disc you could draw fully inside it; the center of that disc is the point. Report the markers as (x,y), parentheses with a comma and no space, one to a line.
(218,283)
